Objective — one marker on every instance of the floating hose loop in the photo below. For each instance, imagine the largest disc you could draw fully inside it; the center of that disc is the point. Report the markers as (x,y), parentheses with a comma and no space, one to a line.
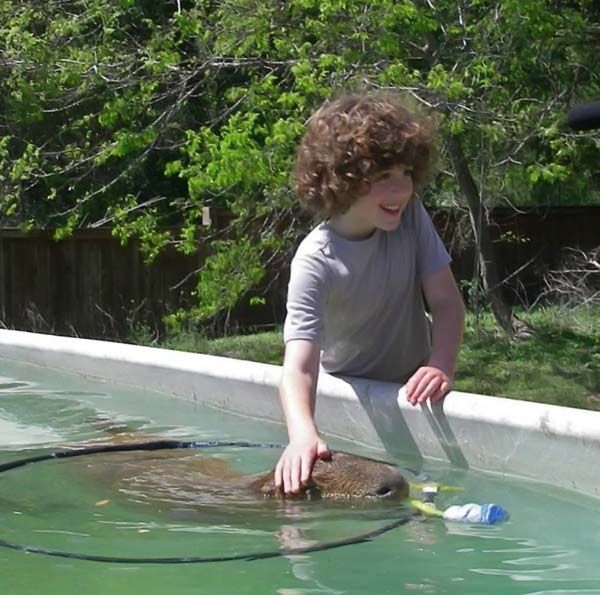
(176,444)
(132,446)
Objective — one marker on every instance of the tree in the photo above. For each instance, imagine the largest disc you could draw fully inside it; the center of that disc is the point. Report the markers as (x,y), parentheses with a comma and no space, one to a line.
(139,114)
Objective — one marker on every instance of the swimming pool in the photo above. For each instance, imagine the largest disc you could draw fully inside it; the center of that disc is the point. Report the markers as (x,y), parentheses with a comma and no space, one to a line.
(550,545)
(555,445)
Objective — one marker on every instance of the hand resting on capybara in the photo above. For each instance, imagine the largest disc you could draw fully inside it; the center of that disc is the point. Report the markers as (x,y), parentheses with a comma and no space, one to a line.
(343,476)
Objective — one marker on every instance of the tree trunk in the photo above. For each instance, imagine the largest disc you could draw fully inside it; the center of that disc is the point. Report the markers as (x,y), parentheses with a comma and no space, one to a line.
(483,242)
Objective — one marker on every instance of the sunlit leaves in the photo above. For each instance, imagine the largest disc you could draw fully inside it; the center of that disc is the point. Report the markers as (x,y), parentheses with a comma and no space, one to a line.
(447,83)
(109,105)
(549,172)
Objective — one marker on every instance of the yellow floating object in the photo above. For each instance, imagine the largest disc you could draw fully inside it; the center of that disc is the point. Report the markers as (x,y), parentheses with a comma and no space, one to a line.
(427,508)
(440,487)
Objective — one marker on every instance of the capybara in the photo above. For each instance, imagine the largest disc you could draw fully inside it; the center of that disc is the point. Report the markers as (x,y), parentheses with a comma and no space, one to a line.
(190,475)
(344,476)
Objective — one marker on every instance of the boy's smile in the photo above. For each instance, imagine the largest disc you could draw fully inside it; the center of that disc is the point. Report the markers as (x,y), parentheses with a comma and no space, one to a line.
(379,208)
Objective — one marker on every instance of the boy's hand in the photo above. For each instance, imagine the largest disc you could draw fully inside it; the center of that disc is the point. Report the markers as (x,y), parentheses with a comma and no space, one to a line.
(428,382)
(295,464)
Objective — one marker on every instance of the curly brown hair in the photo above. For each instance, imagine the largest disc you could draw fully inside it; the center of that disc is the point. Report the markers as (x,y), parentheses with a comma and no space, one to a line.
(352,139)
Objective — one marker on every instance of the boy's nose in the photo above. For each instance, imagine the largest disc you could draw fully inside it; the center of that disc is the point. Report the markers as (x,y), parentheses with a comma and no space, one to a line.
(403,184)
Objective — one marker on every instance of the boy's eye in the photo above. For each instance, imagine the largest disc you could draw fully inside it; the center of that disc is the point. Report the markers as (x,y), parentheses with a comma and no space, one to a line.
(381,177)
(404,171)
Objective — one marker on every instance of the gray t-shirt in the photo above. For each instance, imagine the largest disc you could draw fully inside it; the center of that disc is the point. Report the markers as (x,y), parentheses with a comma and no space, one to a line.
(361,300)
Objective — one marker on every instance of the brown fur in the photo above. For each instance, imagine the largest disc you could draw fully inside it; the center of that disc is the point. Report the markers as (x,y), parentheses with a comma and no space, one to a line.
(188,475)
(344,476)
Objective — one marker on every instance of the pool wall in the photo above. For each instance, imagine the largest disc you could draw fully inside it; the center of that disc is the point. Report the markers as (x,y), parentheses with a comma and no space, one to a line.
(555,445)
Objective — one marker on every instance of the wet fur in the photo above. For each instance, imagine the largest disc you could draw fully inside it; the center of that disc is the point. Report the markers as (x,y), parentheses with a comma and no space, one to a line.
(187,475)
(344,476)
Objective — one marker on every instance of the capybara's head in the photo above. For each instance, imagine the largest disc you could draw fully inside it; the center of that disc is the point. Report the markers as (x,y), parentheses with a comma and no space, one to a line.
(344,476)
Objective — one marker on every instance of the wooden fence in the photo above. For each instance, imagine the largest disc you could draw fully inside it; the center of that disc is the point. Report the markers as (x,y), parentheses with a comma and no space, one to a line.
(526,245)
(89,285)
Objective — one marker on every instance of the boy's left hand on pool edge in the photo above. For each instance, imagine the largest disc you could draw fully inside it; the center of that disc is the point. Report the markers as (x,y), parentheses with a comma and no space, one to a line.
(427,383)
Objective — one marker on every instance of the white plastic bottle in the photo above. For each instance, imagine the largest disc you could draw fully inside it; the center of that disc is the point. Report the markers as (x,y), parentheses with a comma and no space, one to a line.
(482,514)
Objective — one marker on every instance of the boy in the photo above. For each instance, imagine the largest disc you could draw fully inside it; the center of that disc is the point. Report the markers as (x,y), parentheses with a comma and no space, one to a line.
(359,280)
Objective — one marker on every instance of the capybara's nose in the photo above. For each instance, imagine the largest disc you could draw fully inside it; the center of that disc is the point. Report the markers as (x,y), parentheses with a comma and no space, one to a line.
(383,490)
(392,485)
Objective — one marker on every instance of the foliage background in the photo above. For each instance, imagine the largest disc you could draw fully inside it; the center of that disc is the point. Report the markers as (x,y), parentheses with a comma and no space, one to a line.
(139,114)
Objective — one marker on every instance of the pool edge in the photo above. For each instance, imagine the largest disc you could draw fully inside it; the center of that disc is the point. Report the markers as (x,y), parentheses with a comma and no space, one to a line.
(555,445)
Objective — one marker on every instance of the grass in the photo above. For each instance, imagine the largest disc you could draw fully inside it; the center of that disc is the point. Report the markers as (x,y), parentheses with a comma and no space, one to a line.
(266,347)
(559,364)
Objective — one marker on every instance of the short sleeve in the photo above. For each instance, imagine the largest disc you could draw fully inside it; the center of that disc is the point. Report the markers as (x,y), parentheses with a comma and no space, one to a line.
(307,293)
(431,252)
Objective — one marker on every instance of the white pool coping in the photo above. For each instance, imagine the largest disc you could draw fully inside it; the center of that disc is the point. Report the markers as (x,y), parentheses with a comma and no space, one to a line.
(547,443)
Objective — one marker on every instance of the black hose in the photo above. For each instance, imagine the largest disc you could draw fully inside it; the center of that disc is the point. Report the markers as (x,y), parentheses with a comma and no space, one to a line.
(174,444)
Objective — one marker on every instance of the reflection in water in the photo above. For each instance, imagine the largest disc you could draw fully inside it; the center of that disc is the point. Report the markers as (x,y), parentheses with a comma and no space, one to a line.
(303,568)
(527,559)
(33,416)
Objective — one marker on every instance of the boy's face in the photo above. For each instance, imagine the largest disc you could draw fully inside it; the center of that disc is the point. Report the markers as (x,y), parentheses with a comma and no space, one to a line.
(382,206)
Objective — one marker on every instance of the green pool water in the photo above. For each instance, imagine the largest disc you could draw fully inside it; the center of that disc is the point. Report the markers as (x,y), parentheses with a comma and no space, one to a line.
(550,545)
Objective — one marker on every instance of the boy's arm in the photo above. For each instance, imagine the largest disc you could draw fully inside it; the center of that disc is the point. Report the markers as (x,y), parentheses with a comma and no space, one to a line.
(298,392)
(434,380)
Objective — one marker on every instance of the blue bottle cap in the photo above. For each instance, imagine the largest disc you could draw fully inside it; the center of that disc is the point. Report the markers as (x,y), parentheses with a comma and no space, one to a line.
(493,513)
